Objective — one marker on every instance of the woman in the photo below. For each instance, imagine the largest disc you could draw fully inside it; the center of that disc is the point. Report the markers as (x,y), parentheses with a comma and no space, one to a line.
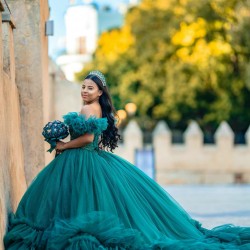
(89,198)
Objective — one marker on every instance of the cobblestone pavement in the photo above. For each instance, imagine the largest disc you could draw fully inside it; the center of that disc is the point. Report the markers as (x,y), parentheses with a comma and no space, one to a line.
(214,205)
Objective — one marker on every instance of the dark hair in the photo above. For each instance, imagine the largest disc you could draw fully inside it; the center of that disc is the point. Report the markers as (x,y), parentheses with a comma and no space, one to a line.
(109,137)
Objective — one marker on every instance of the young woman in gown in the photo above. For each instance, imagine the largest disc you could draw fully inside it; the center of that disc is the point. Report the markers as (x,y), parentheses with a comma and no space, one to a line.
(89,198)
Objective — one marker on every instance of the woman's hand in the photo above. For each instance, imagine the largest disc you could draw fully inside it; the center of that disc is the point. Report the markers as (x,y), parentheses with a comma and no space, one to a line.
(60,146)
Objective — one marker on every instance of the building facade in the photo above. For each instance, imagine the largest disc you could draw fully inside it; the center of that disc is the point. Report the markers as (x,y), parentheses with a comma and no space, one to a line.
(84,22)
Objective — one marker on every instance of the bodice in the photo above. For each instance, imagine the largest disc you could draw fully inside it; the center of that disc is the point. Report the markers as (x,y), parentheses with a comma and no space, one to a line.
(78,125)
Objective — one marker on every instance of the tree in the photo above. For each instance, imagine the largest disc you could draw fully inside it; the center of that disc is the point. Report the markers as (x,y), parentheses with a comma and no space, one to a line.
(180,60)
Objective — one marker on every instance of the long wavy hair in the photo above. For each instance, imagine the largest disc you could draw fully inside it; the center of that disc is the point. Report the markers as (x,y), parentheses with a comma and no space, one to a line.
(109,137)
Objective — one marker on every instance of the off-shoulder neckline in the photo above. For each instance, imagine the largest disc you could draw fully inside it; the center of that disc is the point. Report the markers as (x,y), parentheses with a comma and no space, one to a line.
(91,116)
(79,114)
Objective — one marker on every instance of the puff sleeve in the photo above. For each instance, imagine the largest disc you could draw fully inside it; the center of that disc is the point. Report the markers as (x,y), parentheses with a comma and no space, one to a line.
(79,124)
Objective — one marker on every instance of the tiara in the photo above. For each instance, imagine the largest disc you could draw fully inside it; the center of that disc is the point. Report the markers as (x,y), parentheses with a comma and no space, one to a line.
(99,75)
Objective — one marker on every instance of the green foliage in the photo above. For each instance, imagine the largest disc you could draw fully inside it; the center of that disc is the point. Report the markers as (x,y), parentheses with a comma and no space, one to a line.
(180,60)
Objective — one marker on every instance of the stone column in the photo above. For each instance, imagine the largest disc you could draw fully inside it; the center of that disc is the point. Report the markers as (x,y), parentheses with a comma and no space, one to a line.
(162,141)
(31,52)
(193,137)
(133,139)
(224,138)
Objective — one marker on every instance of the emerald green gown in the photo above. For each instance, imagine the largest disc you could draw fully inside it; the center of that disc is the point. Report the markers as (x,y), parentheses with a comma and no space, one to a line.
(88,198)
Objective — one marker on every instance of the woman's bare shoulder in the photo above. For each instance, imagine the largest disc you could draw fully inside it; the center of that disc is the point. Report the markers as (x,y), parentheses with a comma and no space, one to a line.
(89,110)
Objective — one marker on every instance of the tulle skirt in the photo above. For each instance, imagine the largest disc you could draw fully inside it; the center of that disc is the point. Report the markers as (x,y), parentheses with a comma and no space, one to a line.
(93,199)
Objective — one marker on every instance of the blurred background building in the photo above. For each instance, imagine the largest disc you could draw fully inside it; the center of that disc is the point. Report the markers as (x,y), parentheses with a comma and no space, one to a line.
(84,22)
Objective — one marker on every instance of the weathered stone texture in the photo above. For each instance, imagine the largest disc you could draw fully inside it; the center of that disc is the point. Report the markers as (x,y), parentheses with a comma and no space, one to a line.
(31,78)
(12,178)
(23,92)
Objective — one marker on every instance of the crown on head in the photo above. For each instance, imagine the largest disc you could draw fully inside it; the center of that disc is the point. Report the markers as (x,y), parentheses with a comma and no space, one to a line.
(99,75)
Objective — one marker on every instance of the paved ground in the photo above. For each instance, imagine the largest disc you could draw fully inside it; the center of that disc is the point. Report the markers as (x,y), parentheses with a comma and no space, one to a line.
(215,205)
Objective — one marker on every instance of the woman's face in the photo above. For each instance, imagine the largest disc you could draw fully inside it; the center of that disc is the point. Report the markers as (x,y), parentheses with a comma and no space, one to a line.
(90,91)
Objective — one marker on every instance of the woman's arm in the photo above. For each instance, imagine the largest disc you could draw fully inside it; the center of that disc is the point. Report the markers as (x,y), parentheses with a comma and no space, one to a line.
(79,142)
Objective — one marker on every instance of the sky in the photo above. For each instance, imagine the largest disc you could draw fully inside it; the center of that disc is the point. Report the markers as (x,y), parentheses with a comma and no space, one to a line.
(57,11)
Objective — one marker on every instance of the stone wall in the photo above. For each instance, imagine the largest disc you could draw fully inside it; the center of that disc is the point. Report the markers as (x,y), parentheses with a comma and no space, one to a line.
(31,56)
(23,92)
(192,162)
(12,178)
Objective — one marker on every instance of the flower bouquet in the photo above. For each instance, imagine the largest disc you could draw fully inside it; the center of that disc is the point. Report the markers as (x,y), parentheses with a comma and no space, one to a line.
(53,132)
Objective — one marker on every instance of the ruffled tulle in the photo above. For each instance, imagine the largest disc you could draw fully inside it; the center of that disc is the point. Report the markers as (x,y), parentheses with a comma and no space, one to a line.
(79,124)
(96,230)
(103,231)
(24,234)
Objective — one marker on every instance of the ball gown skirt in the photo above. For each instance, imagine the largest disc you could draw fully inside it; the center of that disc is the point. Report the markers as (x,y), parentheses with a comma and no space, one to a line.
(87,198)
